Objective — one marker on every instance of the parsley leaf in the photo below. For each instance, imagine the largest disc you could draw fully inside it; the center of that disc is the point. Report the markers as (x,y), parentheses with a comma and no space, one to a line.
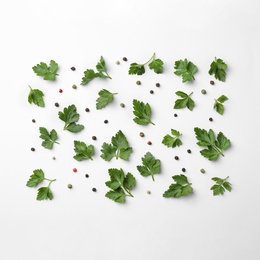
(120,185)
(49,138)
(83,152)
(139,69)
(218,105)
(142,112)
(36,178)
(172,141)
(118,148)
(186,101)
(180,188)
(70,117)
(150,165)
(214,147)
(44,193)
(218,68)
(105,97)
(221,186)
(90,74)
(45,71)
(36,96)
(185,68)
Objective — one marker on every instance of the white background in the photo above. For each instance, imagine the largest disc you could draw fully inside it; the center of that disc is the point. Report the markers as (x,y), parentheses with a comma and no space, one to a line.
(80,224)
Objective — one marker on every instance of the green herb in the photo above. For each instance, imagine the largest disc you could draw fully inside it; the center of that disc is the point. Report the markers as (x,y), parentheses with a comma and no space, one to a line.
(45,71)
(70,117)
(36,96)
(118,148)
(218,105)
(142,112)
(218,68)
(36,178)
(215,147)
(185,101)
(90,74)
(120,185)
(174,140)
(49,138)
(185,68)
(139,69)
(83,152)
(221,186)
(150,165)
(180,188)
(105,97)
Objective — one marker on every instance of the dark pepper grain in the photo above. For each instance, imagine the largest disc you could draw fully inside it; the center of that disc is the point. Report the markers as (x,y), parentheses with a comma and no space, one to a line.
(176,158)
(56,104)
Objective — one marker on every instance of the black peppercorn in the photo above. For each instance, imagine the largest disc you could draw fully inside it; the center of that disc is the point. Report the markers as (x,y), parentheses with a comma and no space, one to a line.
(188,151)
(175,115)
(87,110)
(151,91)
(73,68)
(86,175)
(33,121)
(94,137)
(32,149)
(176,157)
(124,59)
(212,82)
(210,119)
(157,85)
(106,121)
(56,104)
(94,189)
(183,169)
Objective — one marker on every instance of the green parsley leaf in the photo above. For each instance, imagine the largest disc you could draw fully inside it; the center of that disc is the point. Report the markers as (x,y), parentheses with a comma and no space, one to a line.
(118,148)
(172,141)
(137,69)
(105,97)
(157,66)
(142,112)
(150,165)
(214,147)
(90,74)
(44,193)
(186,101)
(83,152)
(36,178)
(185,68)
(218,68)
(49,138)
(221,186)
(36,96)
(218,105)
(180,188)
(45,71)
(70,117)
(120,185)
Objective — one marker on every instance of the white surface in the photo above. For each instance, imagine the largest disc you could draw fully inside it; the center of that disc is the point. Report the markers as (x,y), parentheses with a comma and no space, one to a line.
(79,224)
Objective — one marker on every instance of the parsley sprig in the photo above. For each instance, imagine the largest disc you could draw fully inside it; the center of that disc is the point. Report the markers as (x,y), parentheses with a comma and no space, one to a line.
(185,101)
(45,71)
(218,105)
(186,69)
(83,151)
(142,113)
(49,138)
(221,186)
(105,97)
(172,140)
(36,96)
(218,68)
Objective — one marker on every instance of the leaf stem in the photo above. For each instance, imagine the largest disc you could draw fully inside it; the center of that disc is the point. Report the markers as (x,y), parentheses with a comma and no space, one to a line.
(152,58)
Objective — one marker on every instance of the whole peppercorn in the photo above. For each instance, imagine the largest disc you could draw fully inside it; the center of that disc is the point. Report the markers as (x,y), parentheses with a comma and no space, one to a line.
(86,175)
(212,82)
(138,82)
(73,68)
(183,169)
(94,137)
(94,189)
(74,86)
(117,62)
(149,143)
(106,121)
(60,90)
(74,169)
(189,151)
(202,171)
(87,110)
(32,149)
(203,91)
(53,158)
(175,115)
(122,105)
(157,85)
(141,134)
(124,59)
(148,192)
(33,120)
(56,104)
(176,158)
(151,91)
(210,119)
(69,186)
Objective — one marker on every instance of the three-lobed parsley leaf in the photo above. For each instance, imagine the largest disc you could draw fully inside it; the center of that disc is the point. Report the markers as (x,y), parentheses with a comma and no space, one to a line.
(105,97)
(180,188)
(70,117)
(186,69)
(150,165)
(174,140)
(90,74)
(221,186)
(215,147)
(139,69)
(36,96)
(185,101)
(118,148)
(45,71)
(36,178)
(218,105)
(83,151)
(142,113)
(120,185)
(218,67)
(49,138)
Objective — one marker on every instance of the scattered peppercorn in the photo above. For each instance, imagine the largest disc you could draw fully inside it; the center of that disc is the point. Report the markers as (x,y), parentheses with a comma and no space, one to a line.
(138,82)
(94,137)
(74,86)
(202,171)
(56,104)
(69,186)
(210,119)
(86,175)
(175,115)
(149,143)
(75,170)
(189,151)
(148,192)
(60,90)
(212,82)
(32,149)
(183,169)
(33,121)
(122,105)
(151,91)
(203,91)
(117,62)
(141,134)
(106,121)
(157,85)
(176,158)
(87,110)
(94,189)
(53,158)
(73,68)
(124,59)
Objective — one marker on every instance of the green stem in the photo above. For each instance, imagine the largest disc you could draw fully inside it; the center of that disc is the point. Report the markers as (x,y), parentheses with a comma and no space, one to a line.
(56,142)
(151,122)
(49,181)
(217,150)
(153,177)
(190,94)
(107,75)
(149,59)
(128,192)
